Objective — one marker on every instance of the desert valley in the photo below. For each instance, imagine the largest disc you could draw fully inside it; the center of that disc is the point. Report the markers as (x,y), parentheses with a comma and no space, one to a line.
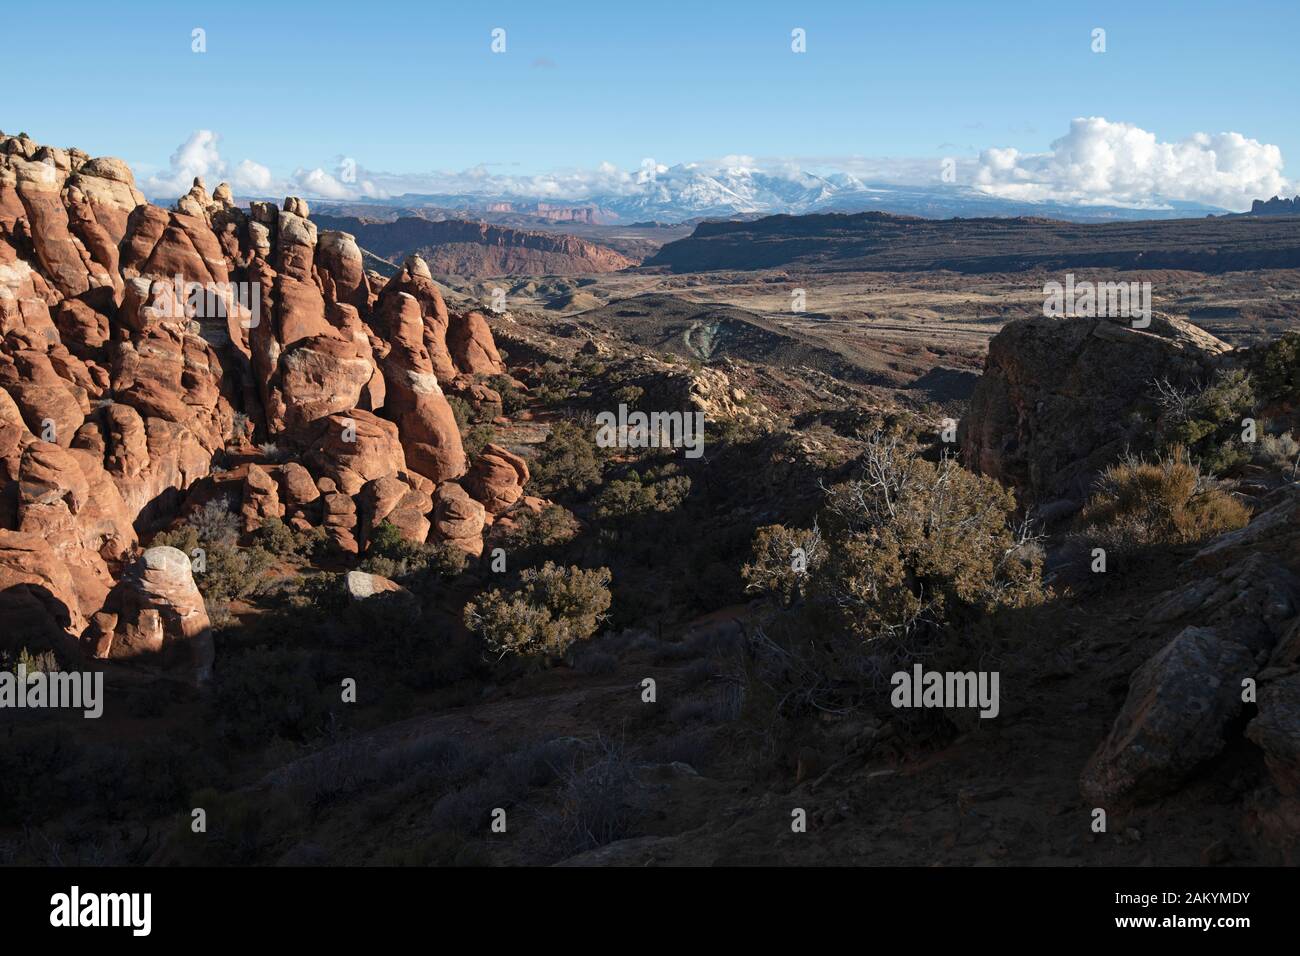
(318,500)
(584,437)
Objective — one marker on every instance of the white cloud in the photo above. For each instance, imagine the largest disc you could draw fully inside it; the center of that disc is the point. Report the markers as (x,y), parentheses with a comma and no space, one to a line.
(1099,162)
(251,177)
(200,157)
(317,182)
(197,156)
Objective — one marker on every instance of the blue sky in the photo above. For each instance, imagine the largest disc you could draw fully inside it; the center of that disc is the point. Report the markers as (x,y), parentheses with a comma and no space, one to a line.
(410,87)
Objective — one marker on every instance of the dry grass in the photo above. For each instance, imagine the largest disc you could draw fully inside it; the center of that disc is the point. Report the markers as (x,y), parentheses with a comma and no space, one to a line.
(1140,504)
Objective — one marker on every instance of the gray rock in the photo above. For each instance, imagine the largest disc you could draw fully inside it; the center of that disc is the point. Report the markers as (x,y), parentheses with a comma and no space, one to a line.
(1277,731)
(1179,705)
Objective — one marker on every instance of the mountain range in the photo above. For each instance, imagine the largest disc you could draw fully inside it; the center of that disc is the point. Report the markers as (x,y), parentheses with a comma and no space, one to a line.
(693,191)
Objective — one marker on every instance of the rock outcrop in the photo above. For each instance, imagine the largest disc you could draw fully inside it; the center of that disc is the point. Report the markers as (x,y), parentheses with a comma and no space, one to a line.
(1057,399)
(497,478)
(157,611)
(1237,643)
(139,345)
(458,518)
(476,249)
(1180,706)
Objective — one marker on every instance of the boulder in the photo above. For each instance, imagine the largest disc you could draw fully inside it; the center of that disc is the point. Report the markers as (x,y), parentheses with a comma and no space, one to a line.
(354,447)
(1062,398)
(497,478)
(1181,705)
(260,499)
(393,500)
(160,614)
(458,518)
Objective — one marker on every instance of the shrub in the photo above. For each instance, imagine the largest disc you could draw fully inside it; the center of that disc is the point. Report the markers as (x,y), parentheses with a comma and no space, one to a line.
(629,395)
(462,412)
(553,608)
(477,438)
(1207,421)
(594,802)
(1140,504)
(227,571)
(561,382)
(273,452)
(1280,452)
(393,556)
(631,498)
(908,546)
(42,661)
(781,560)
(1278,367)
(214,523)
(569,461)
(267,692)
(553,526)
(279,539)
(512,400)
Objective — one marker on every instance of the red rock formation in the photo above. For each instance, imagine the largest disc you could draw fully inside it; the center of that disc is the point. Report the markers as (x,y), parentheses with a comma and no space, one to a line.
(353,447)
(157,610)
(497,478)
(416,281)
(472,349)
(425,420)
(476,249)
(38,599)
(393,500)
(458,518)
(260,499)
(136,343)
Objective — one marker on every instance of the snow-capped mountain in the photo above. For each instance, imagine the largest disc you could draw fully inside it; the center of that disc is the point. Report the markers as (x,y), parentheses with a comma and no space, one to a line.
(692,191)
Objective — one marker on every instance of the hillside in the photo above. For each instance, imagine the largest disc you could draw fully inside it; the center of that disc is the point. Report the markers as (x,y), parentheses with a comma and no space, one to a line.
(475,249)
(881,242)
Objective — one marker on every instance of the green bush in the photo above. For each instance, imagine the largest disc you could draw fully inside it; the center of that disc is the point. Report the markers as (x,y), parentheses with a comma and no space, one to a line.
(392,556)
(1277,368)
(908,547)
(552,527)
(477,438)
(462,412)
(1207,422)
(551,609)
(512,399)
(569,461)
(279,539)
(227,571)
(631,498)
